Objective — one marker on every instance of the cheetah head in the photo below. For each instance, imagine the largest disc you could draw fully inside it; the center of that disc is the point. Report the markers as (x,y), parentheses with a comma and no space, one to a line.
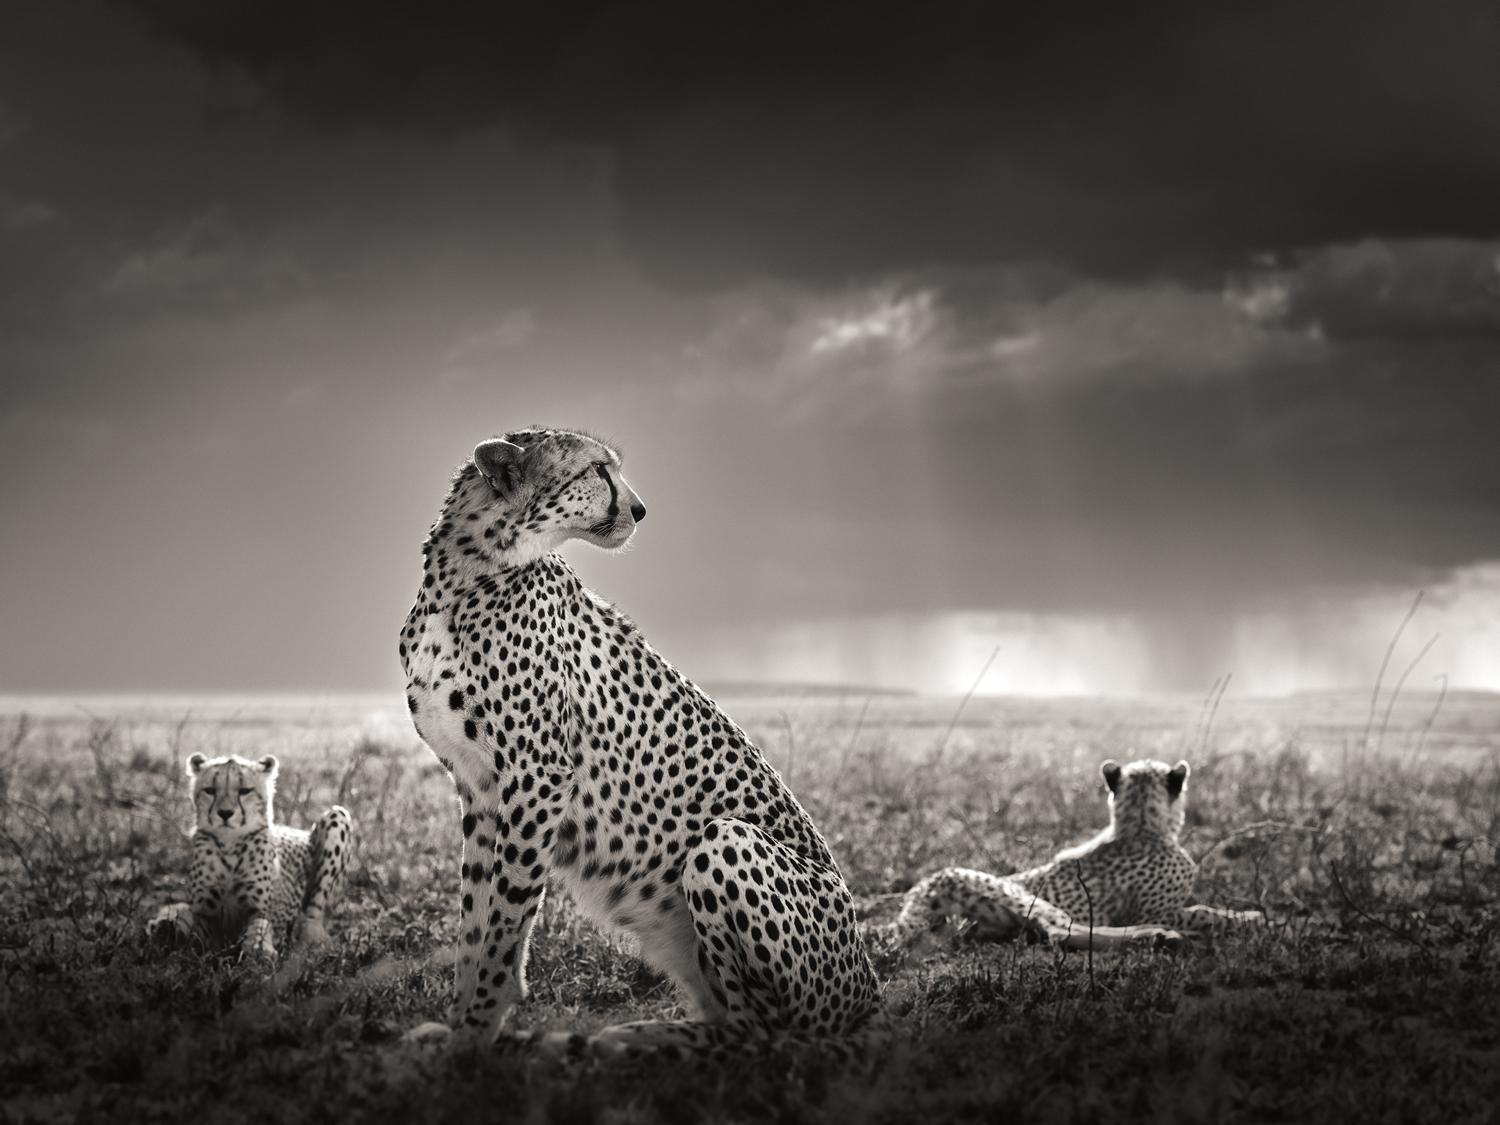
(523,495)
(1147,795)
(232,794)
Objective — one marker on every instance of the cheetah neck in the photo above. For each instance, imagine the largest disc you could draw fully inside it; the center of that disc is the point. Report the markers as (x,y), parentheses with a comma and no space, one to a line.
(1140,822)
(463,549)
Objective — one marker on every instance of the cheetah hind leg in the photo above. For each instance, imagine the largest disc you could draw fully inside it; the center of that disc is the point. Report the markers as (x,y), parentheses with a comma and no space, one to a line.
(328,857)
(781,958)
(1062,930)
(996,907)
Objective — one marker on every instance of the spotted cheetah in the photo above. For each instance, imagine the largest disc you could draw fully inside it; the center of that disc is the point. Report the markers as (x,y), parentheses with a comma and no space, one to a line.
(1133,878)
(254,879)
(585,761)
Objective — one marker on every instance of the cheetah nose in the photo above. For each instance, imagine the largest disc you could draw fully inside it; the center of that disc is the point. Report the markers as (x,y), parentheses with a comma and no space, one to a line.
(226,814)
(638,511)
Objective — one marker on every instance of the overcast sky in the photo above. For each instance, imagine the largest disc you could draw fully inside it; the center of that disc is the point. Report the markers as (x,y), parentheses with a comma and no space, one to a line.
(1140,351)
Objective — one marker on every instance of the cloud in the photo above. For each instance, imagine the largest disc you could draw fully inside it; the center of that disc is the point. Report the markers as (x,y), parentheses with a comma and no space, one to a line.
(207,258)
(481,346)
(887,322)
(21,216)
(1001,326)
(1378,288)
(826,144)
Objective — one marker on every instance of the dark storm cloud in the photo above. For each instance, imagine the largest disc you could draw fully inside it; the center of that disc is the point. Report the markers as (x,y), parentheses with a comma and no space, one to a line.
(839,139)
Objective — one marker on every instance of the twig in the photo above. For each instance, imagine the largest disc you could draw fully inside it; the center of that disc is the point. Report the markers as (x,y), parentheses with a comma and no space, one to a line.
(953,723)
(1390,704)
(994,860)
(1281,826)
(1214,712)
(1384,664)
(1089,900)
(1333,868)
(1432,718)
(1202,713)
(791,745)
(859,724)
(176,740)
(1025,927)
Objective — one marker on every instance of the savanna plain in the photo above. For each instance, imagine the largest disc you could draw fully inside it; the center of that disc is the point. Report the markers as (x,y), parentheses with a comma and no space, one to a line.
(1366,833)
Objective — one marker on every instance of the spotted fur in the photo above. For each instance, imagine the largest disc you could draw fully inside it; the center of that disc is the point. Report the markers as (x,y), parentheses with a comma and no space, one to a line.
(584,760)
(1129,883)
(254,880)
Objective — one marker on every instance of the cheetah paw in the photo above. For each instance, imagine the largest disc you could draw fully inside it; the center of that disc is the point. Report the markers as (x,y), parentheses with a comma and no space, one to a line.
(310,933)
(258,954)
(171,924)
(429,1032)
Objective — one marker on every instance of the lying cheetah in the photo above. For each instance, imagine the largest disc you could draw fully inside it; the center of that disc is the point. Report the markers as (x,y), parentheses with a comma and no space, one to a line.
(1133,878)
(251,877)
(583,760)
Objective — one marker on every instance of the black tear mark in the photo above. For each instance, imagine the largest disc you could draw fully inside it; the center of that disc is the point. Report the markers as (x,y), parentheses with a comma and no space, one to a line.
(614,495)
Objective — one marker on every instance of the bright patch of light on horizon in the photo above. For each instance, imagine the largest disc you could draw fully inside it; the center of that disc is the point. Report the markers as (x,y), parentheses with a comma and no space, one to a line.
(899,322)
(1335,644)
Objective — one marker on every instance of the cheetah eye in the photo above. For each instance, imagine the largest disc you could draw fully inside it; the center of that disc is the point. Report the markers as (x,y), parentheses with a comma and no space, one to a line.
(210,792)
(244,792)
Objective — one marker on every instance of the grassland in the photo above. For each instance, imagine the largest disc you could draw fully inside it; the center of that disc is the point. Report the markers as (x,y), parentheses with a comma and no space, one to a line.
(1374,995)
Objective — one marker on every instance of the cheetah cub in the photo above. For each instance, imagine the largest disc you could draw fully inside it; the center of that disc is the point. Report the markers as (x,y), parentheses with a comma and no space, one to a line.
(1132,879)
(252,879)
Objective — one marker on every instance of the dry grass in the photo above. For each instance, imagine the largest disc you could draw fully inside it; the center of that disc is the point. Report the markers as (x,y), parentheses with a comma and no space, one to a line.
(1372,997)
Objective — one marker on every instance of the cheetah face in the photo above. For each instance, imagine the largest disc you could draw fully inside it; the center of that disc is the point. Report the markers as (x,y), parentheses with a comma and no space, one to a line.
(533,490)
(1147,794)
(232,794)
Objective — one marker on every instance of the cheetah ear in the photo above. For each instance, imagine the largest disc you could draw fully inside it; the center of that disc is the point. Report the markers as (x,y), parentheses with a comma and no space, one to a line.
(499,462)
(1177,779)
(194,764)
(270,765)
(1111,771)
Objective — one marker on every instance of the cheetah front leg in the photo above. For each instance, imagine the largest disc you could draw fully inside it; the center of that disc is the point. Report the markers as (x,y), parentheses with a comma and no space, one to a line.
(329,845)
(504,873)
(255,899)
(476,891)
(525,829)
(207,878)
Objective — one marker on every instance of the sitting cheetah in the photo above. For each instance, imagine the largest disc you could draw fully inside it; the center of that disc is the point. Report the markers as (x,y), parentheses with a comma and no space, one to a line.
(582,759)
(1133,878)
(252,877)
